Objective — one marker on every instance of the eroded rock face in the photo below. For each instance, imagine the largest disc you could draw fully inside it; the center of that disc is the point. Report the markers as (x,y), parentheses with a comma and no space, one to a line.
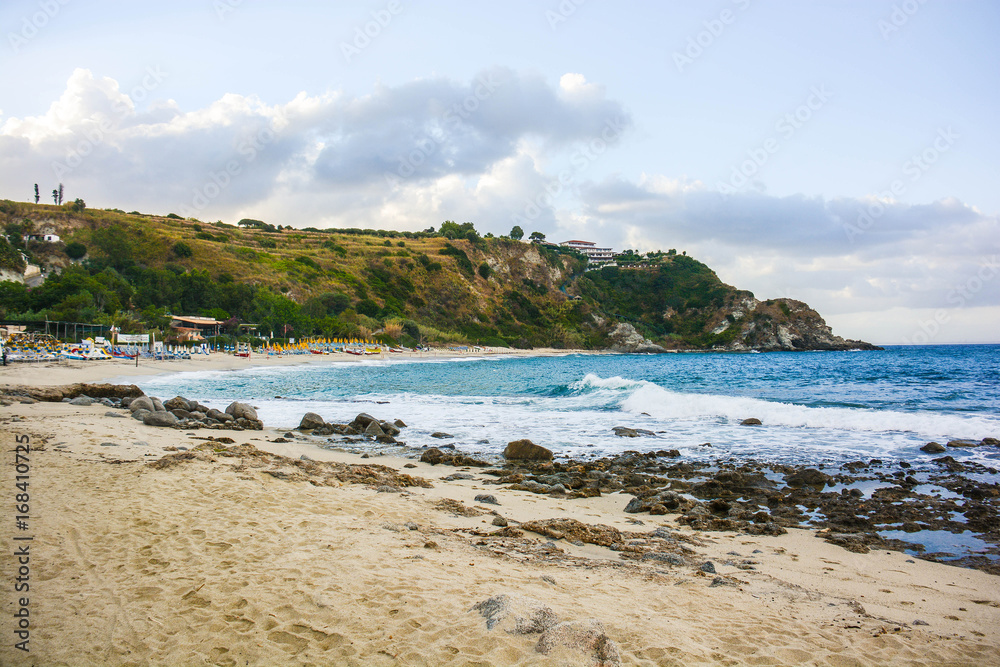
(624,338)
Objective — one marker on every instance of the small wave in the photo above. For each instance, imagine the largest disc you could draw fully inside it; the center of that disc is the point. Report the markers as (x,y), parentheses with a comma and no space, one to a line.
(592,381)
(662,403)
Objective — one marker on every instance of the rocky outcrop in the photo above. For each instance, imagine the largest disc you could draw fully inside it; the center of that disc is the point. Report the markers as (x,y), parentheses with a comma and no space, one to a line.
(624,338)
(526,450)
(780,325)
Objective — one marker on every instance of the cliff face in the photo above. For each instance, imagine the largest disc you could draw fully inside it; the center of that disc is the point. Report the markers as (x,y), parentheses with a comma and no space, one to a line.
(781,324)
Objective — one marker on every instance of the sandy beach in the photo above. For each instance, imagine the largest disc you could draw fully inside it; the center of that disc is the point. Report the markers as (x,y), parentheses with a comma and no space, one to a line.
(162,546)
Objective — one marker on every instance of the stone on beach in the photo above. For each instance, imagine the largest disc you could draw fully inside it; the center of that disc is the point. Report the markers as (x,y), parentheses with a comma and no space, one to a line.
(310,421)
(177,403)
(159,418)
(241,410)
(516,614)
(85,401)
(526,450)
(141,403)
(580,641)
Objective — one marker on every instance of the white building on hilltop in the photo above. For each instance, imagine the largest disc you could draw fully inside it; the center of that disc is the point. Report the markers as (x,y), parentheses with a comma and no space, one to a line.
(597,257)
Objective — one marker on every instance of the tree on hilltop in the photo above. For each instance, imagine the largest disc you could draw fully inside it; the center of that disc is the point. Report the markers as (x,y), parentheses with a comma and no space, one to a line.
(517,233)
(37,196)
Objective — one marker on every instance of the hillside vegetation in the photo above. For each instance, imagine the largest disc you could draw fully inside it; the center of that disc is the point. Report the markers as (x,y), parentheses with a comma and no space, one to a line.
(452,286)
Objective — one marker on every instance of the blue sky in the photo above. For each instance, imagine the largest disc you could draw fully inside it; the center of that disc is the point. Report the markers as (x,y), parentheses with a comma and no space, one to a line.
(841,153)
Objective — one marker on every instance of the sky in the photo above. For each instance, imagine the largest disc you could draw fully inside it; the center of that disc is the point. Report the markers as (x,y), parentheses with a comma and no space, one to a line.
(841,153)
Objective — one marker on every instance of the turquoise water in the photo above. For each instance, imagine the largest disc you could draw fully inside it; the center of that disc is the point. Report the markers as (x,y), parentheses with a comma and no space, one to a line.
(816,406)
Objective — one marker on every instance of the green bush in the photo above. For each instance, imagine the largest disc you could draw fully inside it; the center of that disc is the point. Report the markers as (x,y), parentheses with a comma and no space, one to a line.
(180,249)
(75,250)
(485,270)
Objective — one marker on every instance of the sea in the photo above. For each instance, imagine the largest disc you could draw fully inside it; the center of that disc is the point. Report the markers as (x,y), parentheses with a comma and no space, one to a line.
(815,407)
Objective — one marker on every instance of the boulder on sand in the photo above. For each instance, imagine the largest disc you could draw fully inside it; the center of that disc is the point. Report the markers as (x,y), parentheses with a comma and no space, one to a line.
(310,421)
(141,403)
(526,450)
(177,403)
(160,418)
(244,410)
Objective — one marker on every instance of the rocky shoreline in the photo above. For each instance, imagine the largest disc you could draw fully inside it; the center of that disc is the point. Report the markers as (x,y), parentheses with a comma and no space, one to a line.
(938,507)
(861,505)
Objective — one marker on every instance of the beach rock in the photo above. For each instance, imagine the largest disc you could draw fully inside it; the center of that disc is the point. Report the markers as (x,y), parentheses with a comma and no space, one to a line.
(500,521)
(399,423)
(219,415)
(107,402)
(115,414)
(933,448)
(244,410)
(180,413)
(157,404)
(808,477)
(159,418)
(991,442)
(526,450)
(141,403)
(177,403)
(752,421)
(82,400)
(670,559)
(516,614)
(141,413)
(362,421)
(441,435)
(708,567)
(385,439)
(487,498)
(388,429)
(311,420)
(433,456)
(126,401)
(325,429)
(579,642)
(374,430)
(963,443)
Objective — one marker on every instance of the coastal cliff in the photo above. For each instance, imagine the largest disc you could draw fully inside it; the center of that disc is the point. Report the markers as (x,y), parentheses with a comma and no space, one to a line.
(451,287)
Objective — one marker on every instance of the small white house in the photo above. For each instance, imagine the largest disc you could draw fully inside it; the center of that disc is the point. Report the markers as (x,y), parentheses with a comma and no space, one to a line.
(51,238)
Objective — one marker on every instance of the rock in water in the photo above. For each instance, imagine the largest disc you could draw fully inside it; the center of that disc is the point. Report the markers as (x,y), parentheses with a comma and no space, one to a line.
(752,421)
(363,420)
(933,448)
(516,614)
(441,435)
(624,338)
(311,420)
(580,642)
(526,450)
(160,418)
(374,430)
(244,410)
(388,429)
(808,477)
(959,443)
(141,403)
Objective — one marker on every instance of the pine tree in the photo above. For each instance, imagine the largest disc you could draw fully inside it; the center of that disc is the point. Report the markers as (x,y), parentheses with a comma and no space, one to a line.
(60,193)
(55,196)
(37,196)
